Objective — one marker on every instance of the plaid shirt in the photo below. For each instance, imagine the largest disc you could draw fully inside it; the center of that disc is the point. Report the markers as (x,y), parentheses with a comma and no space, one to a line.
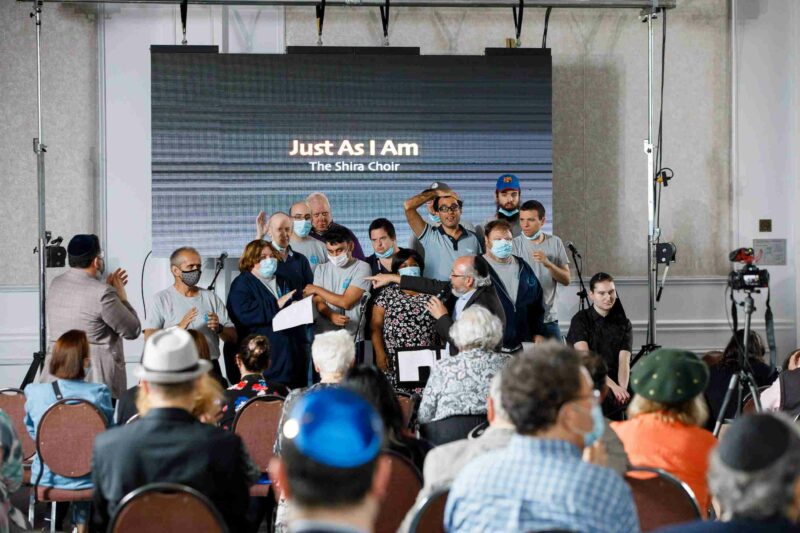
(535,485)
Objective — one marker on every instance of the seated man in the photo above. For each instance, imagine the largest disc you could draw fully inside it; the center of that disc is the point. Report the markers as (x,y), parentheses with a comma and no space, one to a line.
(539,481)
(331,472)
(784,393)
(168,444)
(754,476)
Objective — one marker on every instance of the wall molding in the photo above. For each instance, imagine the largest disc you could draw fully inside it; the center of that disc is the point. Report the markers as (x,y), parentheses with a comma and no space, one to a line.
(19,288)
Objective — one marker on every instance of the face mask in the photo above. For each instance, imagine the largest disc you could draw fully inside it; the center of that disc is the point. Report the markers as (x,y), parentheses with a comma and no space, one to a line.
(387,253)
(192,277)
(339,260)
(598,426)
(302,228)
(502,248)
(434,218)
(534,237)
(410,271)
(506,212)
(87,370)
(267,267)
(278,246)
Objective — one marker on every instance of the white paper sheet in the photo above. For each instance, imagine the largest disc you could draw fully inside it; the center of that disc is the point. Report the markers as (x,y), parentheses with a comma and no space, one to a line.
(408,363)
(297,314)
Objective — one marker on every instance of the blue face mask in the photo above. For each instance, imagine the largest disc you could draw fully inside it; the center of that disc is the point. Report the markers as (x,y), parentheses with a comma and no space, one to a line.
(434,218)
(267,267)
(410,271)
(278,246)
(533,237)
(388,253)
(506,212)
(598,426)
(302,228)
(502,248)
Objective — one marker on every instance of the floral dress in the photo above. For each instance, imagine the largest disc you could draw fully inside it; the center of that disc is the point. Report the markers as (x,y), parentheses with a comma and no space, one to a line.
(406,324)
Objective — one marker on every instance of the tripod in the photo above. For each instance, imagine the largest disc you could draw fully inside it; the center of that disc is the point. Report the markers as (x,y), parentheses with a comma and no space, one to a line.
(743,377)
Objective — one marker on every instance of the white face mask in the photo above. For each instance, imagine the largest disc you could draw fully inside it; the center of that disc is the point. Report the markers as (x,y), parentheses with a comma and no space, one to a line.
(338,260)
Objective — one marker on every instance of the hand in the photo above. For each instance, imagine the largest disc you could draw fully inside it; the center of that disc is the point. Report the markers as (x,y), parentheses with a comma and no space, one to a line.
(118,279)
(309,290)
(188,318)
(441,193)
(382,280)
(537,339)
(285,298)
(213,322)
(596,454)
(261,224)
(339,320)
(435,307)
(540,257)
(620,395)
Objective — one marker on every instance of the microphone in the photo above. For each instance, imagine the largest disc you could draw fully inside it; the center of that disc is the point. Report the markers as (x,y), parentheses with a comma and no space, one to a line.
(442,294)
(220,261)
(572,248)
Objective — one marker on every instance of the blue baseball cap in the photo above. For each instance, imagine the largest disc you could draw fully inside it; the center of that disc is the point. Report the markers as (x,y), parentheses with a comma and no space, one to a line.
(334,427)
(507,181)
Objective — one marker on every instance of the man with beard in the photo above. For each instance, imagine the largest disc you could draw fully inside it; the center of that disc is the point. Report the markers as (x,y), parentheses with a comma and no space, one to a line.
(445,243)
(507,199)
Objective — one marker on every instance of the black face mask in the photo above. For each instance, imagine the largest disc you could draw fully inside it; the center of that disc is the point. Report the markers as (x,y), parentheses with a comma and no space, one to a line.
(191,277)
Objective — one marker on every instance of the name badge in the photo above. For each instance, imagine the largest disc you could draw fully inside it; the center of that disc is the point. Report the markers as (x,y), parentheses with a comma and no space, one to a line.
(345,284)
(314,260)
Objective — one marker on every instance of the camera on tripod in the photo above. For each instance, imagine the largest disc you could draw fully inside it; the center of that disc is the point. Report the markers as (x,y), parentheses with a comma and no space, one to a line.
(749,277)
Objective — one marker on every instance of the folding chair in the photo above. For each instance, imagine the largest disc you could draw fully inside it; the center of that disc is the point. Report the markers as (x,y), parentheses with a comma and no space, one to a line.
(429,514)
(257,424)
(450,429)
(166,508)
(661,498)
(12,401)
(407,406)
(405,482)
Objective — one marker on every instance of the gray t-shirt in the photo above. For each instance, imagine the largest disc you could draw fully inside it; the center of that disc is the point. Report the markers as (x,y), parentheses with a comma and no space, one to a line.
(313,249)
(556,254)
(169,308)
(337,280)
(508,274)
(271,284)
(441,250)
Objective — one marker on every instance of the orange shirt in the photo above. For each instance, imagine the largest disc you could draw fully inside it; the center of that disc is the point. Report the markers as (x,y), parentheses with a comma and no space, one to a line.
(679,449)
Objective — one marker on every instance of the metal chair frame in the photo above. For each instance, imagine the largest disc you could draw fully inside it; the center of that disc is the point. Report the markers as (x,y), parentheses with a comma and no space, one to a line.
(687,490)
(423,506)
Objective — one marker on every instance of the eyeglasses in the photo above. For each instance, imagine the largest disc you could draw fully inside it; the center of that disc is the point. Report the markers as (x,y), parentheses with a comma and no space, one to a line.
(455,208)
(458,276)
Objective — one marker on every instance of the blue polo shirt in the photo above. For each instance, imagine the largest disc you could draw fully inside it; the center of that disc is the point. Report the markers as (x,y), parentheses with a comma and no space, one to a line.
(441,249)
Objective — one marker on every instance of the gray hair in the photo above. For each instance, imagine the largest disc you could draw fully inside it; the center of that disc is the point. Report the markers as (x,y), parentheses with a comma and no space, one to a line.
(317,196)
(175,259)
(480,281)
(333,352)
(760,494)
(477,327)
(496,394)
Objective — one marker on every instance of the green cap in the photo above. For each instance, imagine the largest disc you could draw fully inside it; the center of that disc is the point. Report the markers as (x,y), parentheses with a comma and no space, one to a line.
(669,375)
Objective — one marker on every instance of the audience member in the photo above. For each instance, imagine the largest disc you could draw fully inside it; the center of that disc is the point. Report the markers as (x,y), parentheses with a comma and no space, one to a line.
(69,364)
(339,285)
(313,249)
(469,285)
(538,481)
(168,444)
(322,222)
(546,255)
(754,476)
(604,329)
(517,287)
(617,458)
(507,199)
(400,319)
(372,384)
(459,385)
(81,299)
(10,469)
(255,297)
(253,360)
(721,373)
(665,418)
(331,472)
(784,393)
(444,243)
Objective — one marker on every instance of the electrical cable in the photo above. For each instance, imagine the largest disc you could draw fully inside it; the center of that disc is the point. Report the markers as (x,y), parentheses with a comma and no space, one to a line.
(546,24)
(144,263)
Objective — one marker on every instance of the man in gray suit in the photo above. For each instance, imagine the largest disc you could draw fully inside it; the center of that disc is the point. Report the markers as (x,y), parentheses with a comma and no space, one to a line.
(81,299)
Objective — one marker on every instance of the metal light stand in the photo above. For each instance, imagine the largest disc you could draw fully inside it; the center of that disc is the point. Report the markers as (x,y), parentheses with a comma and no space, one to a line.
(39,149)
(743,377)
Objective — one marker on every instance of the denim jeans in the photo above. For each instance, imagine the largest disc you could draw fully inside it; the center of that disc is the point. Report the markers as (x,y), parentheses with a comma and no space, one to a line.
(552,331)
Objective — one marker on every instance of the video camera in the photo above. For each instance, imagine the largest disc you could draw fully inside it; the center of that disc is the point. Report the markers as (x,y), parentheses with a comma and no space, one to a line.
(749,277)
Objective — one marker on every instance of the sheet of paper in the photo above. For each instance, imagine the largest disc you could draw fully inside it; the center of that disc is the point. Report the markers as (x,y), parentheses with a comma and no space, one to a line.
(297,314)
(408,363)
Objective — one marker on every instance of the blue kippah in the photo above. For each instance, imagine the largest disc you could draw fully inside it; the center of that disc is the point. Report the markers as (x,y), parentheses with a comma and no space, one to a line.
(81,245)
(334,427)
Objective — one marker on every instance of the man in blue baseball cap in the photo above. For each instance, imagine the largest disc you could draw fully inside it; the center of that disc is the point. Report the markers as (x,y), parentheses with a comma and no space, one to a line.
(507,199)
(330,470)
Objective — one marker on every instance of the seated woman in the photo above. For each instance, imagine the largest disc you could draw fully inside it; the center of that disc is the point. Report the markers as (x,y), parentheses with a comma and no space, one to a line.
(69,364)
(784,393)
(400,318)
(459,384)
(665,419)
(373,385)
(720,374)
(252,360)
(255,297)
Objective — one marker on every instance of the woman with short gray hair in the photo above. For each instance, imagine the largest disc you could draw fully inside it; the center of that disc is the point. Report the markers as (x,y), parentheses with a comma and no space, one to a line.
(459,384)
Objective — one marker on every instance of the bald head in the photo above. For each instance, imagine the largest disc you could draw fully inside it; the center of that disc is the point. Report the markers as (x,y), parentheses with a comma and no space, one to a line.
(280,229)
(321,215)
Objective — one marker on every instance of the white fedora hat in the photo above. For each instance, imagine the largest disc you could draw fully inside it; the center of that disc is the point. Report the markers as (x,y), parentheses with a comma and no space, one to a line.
(170,356)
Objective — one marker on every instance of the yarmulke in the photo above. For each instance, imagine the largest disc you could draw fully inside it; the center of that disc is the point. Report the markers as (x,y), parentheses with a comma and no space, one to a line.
(82,244)
(755,441)
(669,376)
(334,427)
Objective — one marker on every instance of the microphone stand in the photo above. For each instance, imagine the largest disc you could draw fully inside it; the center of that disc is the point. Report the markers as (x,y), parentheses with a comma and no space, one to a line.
(582,294)
(219,264)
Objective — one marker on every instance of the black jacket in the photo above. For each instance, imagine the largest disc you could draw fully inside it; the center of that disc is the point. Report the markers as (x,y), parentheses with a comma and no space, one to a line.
(485,296)
(170,445)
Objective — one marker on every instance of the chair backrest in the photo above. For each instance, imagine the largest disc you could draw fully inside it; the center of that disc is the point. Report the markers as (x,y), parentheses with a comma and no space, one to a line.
(661,498)
(450,429)
(749,405)
(134,418)
(429,514)
(257,424)
(12,401)
(166,507)
(405,482)
(73,421)
(407,407)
